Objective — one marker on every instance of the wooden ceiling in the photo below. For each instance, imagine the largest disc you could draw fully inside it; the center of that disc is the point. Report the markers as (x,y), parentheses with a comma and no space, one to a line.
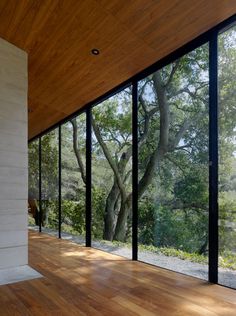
(130,34)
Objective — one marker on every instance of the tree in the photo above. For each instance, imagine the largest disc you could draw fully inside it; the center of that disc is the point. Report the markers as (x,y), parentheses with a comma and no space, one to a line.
(170,105)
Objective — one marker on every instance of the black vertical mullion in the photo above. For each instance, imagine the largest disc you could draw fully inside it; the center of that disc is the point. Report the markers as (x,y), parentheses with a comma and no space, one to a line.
(213,159)
(59,181)
(40,184)
(88,177)
(135,171)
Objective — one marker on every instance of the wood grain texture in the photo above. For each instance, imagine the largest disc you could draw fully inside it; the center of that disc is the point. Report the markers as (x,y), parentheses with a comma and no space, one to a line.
(131,35)
(86,281)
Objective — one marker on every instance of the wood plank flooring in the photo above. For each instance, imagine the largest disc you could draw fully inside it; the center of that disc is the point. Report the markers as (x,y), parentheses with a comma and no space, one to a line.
(85,281)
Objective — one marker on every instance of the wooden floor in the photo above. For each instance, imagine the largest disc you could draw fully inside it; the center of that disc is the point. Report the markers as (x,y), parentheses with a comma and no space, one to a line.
(84,281)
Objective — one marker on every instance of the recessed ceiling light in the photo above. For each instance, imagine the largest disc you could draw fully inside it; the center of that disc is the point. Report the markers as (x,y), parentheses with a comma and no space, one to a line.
(95,51)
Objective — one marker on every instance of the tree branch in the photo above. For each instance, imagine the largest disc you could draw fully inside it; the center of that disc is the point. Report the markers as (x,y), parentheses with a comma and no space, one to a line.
(173,71)
(193,95)
(76,149)
(164,112)
(162,146)
(109,158)
(186,124)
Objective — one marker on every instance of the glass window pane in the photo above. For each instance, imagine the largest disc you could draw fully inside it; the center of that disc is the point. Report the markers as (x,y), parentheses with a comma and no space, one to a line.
(49,176)
(74,178)
(33,195)
(227,157)
(112,174)
(173,165)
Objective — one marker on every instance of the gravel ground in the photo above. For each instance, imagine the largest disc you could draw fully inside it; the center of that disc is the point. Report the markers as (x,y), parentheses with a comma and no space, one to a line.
(226,277)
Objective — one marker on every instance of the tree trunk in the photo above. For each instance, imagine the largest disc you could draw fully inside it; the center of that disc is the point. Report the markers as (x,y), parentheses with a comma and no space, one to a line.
(112,202)
(121,225)
(203,248)
(110,216)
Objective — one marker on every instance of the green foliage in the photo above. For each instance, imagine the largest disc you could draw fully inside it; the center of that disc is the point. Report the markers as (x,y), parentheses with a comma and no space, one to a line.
(73,216)
(227,259)
(50,166)
(192,189)
(33,169)
(50,213)
(98,206)
(31,220)
(173,252)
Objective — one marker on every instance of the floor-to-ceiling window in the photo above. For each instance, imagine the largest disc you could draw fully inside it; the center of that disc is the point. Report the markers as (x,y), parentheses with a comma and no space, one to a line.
(49,177)
(112,174)
(173,165)
(227,156)
(73,169)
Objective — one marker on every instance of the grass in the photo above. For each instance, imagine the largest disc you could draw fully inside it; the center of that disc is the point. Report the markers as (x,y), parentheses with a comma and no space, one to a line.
(172,252)
(227,260)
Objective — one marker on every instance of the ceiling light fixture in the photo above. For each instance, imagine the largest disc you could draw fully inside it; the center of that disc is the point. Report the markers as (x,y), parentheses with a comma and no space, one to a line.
(95,51)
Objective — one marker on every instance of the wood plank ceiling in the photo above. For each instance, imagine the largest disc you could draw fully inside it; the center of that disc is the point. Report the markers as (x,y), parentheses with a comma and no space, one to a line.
(131,35)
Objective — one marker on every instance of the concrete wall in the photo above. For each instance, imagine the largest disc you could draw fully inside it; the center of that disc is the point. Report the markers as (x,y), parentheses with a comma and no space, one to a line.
(13,156)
